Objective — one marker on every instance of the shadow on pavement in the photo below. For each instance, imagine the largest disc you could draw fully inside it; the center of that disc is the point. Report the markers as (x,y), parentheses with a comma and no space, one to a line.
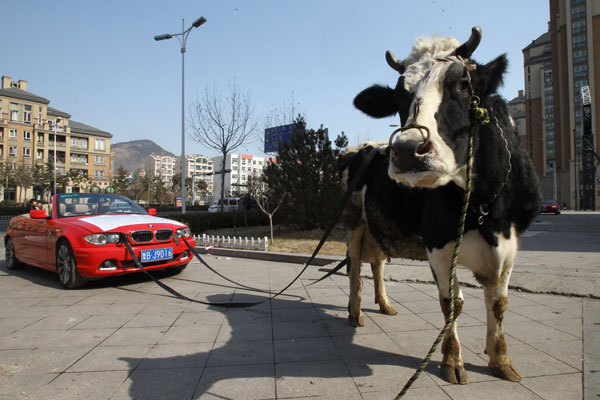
(151,377)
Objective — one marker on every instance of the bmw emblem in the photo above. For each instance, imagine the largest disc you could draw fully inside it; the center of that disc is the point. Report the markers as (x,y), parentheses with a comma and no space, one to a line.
(150,226)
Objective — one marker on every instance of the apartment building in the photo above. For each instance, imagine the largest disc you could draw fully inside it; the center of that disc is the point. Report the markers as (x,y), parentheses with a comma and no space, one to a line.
(158,165)
(197,167)
(238,167)
(516,109)
(28,126)
(557,66)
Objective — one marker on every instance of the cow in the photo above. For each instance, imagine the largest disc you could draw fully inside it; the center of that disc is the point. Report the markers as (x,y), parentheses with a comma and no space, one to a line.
(408,201)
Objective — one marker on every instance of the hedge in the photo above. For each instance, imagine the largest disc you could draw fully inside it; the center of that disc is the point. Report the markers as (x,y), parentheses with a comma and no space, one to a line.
(201,222)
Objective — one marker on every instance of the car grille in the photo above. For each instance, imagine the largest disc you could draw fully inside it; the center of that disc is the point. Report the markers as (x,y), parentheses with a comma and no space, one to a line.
(141,236)
(163,234)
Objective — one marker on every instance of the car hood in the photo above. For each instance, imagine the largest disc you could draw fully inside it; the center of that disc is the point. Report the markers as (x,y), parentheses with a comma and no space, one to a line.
(111,222)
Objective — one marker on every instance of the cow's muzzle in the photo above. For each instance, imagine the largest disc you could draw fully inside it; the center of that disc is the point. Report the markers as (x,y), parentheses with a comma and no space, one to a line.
(411,155)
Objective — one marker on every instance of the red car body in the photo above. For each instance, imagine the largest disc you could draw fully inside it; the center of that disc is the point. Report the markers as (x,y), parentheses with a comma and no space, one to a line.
(79,238)
(550,207)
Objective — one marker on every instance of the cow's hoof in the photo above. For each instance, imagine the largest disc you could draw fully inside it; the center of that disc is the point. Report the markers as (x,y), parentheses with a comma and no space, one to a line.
(356,321)
(506,371)
(387,309)
(454,374)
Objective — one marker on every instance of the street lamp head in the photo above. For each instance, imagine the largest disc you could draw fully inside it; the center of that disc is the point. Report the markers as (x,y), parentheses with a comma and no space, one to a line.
(162,37)
(199,22)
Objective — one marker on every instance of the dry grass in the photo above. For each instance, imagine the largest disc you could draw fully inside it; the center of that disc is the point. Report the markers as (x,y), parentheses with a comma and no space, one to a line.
(287,240)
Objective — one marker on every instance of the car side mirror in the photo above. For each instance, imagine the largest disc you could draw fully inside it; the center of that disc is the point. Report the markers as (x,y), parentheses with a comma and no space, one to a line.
(152,211)
(38,214)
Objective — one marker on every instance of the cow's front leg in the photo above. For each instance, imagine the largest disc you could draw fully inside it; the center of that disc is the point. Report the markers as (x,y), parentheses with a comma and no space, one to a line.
(452,368)
(354,260)
(496,302)
(380,294)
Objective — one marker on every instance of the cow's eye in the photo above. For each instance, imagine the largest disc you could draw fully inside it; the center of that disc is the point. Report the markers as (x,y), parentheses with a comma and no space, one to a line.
(463,85)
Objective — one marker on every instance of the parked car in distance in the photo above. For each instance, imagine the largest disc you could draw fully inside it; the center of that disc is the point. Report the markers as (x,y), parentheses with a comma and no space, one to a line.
(550,207)
(80,238)
(229,204)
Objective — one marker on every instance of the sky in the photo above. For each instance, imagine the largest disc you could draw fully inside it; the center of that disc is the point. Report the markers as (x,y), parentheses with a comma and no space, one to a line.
(98,61)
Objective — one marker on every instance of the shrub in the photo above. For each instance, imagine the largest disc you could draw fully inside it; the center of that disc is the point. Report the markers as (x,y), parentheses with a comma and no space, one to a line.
(201,222)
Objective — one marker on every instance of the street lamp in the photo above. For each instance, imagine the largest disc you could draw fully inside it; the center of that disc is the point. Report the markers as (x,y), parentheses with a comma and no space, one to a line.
(55,129)
(182,37)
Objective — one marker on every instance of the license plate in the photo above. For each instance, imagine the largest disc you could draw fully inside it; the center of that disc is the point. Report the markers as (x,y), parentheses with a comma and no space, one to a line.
(165,253)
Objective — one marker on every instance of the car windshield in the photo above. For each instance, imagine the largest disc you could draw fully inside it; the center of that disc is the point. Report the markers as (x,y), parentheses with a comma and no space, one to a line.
(77,204)
(549,202)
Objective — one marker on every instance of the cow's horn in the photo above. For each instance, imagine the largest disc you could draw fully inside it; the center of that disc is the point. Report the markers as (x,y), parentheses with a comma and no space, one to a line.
(467,48)
(393,62)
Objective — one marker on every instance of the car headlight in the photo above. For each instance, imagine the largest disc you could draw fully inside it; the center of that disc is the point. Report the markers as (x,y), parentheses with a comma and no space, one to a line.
(102,238)
(184,232)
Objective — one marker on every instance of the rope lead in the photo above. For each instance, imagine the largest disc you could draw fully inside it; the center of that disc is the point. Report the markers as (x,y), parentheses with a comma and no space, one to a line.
(461,230)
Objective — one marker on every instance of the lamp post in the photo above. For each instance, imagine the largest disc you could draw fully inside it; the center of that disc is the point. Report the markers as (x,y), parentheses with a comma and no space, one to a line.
(182,37)
(55,129)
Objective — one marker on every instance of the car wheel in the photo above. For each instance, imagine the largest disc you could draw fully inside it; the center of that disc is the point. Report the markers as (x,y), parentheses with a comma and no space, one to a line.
(178,268)
(67,268)
(11,259)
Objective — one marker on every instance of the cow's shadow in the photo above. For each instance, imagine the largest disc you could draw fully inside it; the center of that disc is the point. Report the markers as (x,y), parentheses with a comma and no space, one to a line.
(245,355)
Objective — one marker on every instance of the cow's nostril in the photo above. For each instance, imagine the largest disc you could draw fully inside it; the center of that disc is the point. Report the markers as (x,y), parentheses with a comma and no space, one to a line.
(425,148)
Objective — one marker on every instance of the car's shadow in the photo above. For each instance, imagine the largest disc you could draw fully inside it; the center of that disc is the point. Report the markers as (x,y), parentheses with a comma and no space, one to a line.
(47,278)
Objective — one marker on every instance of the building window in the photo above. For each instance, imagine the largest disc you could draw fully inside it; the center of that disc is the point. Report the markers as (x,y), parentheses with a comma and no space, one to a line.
(40,115)
(74,142)
(26,151)
(579,41)
(12,133)
(83,144)
(580,70)
(74,158)
(99,173)
(27,114)
(40,154)
(99,144)
(27,135)
(99,160)
(84,158)
(578,26)
(580,83)
(12,150)
(14,112)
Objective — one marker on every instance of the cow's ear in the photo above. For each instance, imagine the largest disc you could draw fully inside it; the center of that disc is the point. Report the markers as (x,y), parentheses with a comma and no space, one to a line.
(377,101)
(492,75)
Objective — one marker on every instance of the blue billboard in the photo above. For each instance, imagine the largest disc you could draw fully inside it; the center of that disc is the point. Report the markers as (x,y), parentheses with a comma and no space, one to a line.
(276,135)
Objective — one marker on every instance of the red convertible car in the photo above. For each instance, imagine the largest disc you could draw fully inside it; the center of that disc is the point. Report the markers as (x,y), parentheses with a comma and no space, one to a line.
(80,237)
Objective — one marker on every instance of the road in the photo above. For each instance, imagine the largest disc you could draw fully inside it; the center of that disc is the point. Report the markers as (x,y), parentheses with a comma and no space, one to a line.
(558,254)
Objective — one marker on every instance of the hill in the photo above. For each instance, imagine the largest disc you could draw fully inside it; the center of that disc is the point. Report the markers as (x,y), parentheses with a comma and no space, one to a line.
(131,154)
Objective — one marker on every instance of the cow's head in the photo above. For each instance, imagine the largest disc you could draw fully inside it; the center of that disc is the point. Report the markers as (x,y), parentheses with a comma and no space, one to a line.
(433,94)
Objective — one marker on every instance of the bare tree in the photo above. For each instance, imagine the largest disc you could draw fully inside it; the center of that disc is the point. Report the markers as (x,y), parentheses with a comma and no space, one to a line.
(223,124)
(268,201)
(284,113)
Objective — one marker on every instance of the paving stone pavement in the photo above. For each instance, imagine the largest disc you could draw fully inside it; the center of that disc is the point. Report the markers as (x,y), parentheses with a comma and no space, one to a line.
(125,338)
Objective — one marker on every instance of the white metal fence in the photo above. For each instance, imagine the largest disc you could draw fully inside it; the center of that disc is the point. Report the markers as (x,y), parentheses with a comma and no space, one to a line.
(228,242)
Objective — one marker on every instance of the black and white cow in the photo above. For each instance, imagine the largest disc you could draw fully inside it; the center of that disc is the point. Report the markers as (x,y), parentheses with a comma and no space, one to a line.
(409,200)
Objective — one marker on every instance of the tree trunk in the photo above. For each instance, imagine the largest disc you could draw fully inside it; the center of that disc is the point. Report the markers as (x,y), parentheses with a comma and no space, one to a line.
(223,164)
(271,225)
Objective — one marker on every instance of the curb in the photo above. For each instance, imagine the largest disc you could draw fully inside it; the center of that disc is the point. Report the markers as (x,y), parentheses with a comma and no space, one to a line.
(269,256)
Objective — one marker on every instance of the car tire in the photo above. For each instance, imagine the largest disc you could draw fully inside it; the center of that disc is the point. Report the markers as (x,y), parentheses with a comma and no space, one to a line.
(67,267)
(178,269)
(12,262)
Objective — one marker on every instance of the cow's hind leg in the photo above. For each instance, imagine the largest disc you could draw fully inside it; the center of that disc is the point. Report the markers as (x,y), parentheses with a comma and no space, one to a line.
(452,368)
(380,294)
(496,302)
(353,253)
